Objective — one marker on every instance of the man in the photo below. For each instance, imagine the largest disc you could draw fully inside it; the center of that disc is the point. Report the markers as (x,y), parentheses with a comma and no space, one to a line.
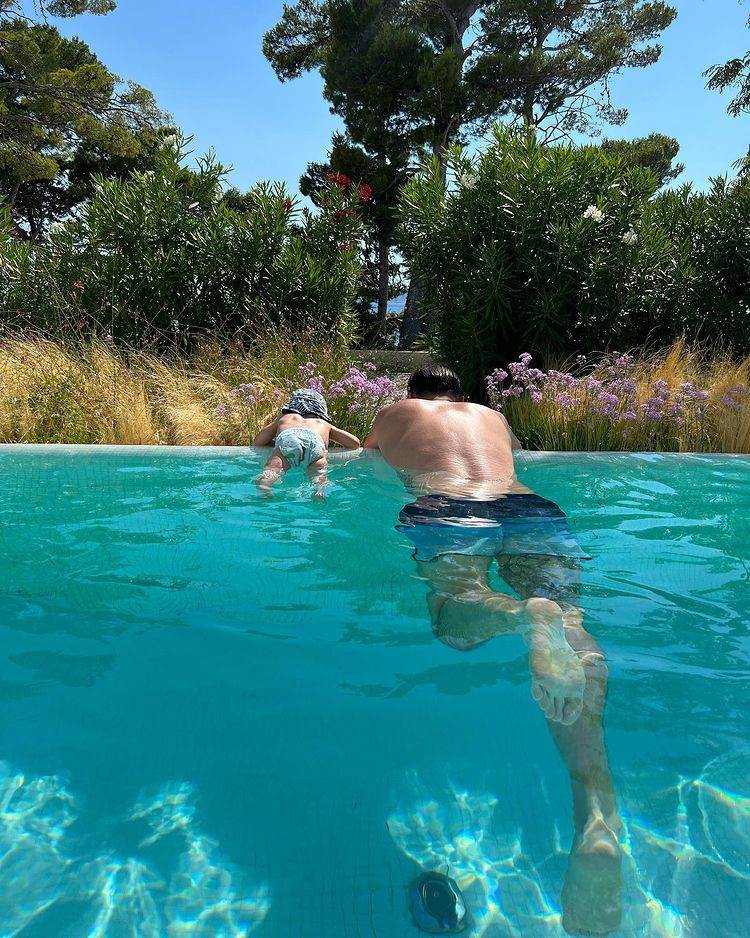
(457,458)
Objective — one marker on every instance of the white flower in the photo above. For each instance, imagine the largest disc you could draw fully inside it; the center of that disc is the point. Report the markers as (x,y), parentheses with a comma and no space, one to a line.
(593,212)
(630,237)
(56,226)
(172,141)
(467,180)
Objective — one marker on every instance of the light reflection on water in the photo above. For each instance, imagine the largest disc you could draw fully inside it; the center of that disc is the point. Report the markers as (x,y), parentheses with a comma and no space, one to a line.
(159,623)
(198,893)
(666,870)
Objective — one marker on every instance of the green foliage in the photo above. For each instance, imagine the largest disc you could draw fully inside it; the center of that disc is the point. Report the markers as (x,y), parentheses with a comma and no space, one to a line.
(405,75)
(735,74)
(160,257)
(63,8)
(429,72)
(38,203)
(548,61)
(562,249)
(56,97)
(380,179)
(656,152)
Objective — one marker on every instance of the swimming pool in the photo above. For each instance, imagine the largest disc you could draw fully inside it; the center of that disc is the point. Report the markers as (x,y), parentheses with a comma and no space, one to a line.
(224,715)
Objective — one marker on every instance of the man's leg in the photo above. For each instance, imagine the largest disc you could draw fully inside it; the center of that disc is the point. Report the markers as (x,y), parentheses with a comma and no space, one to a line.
(466,612)
(592,891)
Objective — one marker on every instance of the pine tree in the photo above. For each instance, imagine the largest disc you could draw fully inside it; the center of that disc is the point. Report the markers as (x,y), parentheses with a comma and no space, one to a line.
(432,73)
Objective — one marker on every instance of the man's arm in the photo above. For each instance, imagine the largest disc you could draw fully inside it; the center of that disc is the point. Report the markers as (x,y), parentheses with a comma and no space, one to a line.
(349,440)
(372,440)
(372,437)
(267,435)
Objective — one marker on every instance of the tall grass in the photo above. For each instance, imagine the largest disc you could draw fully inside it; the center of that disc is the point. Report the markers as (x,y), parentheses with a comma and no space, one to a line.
(713,416)
(92,392)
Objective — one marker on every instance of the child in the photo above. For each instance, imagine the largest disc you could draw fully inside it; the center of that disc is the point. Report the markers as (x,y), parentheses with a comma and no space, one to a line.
(301,435)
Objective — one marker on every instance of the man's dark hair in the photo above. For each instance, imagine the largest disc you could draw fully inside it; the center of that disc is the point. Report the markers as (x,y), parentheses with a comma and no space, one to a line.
(435,381)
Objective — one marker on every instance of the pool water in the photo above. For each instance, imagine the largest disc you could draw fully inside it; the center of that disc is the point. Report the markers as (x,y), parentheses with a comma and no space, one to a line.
(226,715)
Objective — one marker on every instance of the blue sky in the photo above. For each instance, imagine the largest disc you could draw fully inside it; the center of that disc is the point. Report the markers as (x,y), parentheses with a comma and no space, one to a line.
(205,65)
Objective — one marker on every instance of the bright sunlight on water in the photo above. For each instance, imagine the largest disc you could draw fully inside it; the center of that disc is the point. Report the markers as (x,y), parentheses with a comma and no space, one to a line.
(224,714)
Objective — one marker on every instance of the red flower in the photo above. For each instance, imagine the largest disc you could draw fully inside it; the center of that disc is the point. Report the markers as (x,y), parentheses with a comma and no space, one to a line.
(287,203)
(339,179)
(365,192)
(77,285)
(344,213)
(345,247)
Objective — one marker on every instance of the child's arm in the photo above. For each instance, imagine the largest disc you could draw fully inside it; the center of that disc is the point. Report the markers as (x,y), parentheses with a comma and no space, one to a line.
(267,435)
(344,439)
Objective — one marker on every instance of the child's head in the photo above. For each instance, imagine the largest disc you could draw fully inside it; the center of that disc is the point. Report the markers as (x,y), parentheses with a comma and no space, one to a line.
(307,403)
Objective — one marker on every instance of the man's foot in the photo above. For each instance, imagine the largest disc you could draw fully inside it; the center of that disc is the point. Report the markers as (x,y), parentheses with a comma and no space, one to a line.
(558,679)
(592,893)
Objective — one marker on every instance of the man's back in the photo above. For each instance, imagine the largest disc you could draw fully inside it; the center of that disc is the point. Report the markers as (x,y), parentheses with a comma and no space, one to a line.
(466,441)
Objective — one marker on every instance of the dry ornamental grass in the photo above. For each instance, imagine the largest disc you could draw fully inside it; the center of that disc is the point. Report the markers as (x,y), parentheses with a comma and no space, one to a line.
(91,392)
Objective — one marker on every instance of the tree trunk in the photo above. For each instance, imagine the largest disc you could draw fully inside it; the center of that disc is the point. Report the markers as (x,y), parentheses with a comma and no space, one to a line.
(413,324)
(384,282)
(10,199)
(446,129)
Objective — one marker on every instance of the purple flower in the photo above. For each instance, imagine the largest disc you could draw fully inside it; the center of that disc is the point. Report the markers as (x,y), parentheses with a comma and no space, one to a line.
(316,384)
(497,376)
(730,402)
(525,358)
(221,411)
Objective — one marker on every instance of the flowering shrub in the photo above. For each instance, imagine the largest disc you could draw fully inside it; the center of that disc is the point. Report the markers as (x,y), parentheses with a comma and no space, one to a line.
(161,257)
(354,398)
(617,403)
(562,249)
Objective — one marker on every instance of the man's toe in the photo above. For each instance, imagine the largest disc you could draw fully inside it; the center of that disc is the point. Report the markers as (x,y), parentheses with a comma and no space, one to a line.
(571,711)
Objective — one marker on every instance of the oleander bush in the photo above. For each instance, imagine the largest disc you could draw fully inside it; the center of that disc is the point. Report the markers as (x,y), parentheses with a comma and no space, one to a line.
(564,250)
(161,259)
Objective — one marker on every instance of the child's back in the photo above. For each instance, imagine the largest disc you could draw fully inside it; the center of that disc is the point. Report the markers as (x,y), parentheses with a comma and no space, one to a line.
(288,421)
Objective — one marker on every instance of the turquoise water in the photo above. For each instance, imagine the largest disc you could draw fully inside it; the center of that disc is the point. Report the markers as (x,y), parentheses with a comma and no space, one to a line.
(225,715)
